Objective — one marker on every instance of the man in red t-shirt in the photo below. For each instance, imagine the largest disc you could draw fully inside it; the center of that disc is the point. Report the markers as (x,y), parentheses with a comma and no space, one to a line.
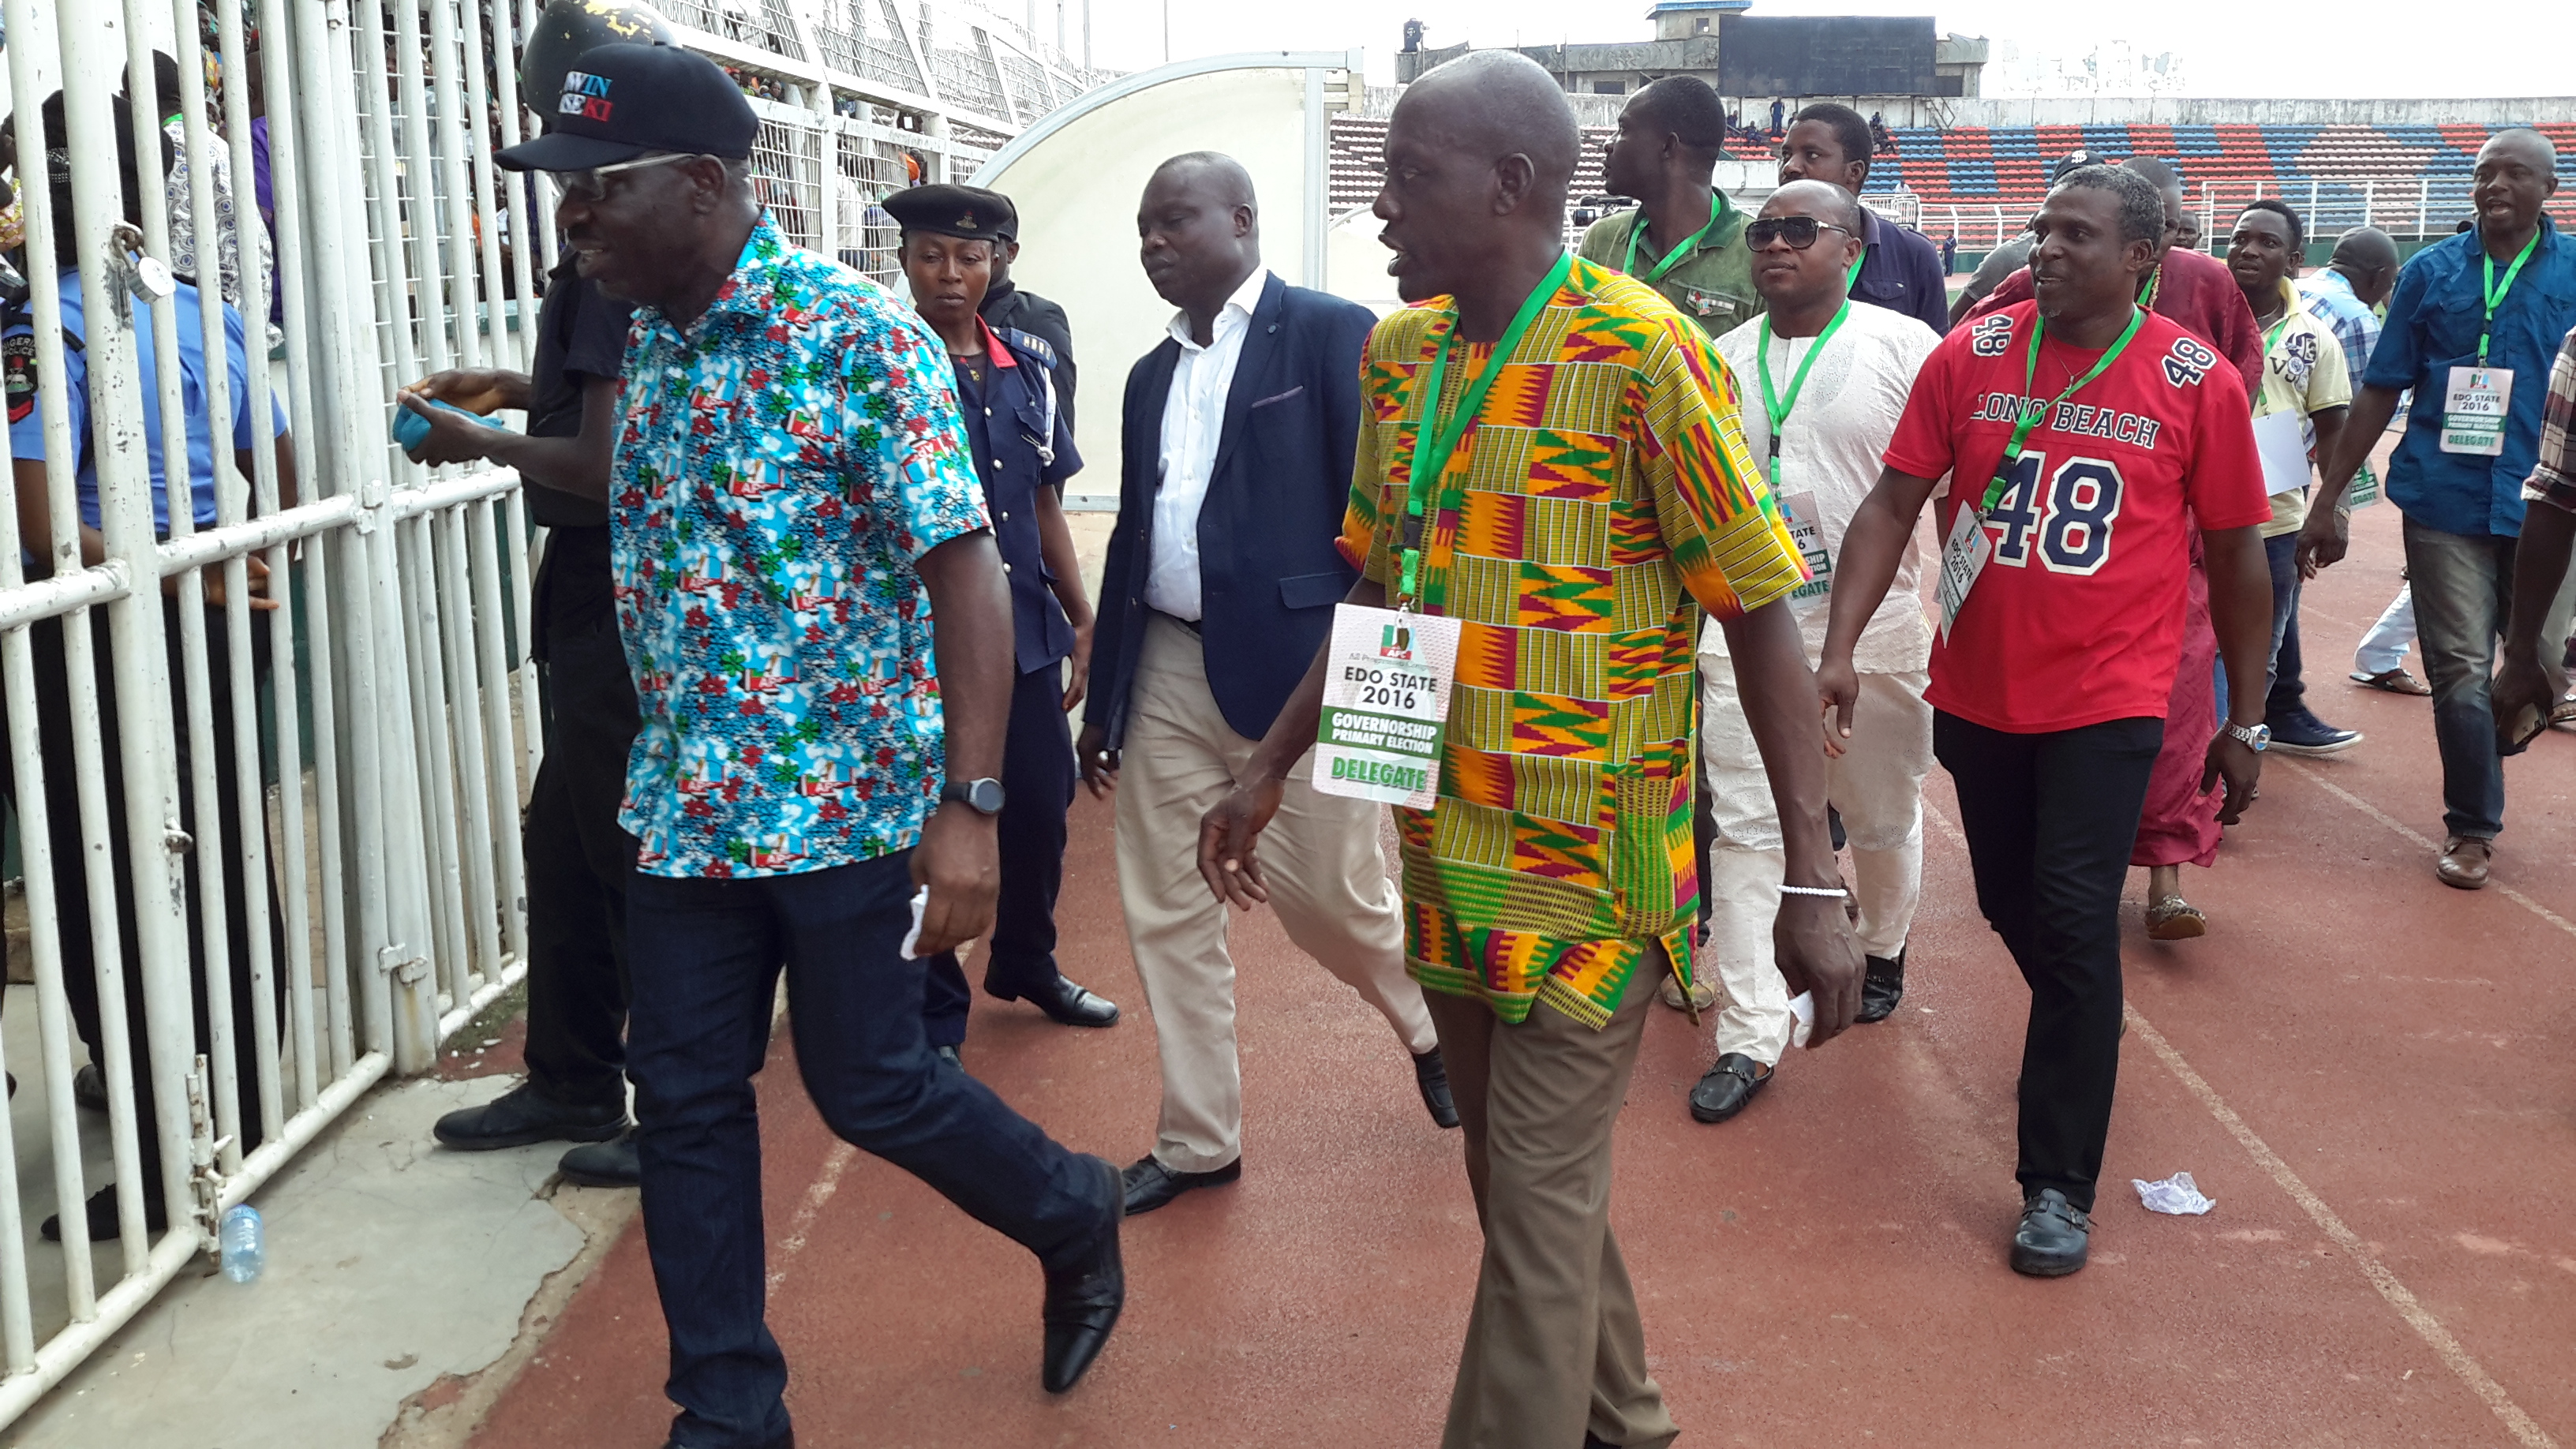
(2050,682)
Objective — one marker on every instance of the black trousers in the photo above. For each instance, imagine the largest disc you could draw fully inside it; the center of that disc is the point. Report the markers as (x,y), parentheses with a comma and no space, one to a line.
(81,966)
(1037,781)
(2050,820)
(578,858)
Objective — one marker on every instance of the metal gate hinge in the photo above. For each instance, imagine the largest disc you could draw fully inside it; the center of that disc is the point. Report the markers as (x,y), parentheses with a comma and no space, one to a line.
(373,495)
(403,968)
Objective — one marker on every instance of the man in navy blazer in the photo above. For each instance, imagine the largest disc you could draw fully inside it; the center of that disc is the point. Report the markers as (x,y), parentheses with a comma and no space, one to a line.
(1237,439)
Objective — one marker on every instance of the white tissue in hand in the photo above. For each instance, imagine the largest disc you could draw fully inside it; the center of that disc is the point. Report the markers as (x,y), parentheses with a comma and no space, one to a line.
(1802,1007)
(2177,1194)
(912,938)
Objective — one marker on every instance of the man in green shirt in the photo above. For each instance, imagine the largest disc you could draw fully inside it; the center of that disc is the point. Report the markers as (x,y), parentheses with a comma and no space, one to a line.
(1683,237)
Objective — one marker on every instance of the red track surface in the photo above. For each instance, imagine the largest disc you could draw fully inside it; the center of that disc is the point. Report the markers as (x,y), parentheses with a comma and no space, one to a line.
(2371,1073)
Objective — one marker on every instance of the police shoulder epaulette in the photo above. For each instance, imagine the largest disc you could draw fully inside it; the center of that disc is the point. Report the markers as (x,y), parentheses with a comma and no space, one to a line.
(1032,344)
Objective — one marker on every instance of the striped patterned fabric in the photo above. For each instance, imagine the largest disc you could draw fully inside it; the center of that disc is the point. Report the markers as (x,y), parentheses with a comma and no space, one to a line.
(1603,499)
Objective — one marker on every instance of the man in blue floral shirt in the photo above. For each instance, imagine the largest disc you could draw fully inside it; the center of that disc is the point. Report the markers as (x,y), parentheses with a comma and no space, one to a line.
(791,508)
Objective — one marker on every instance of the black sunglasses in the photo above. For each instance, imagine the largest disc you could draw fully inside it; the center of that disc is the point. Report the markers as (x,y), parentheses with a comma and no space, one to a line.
(1799,232)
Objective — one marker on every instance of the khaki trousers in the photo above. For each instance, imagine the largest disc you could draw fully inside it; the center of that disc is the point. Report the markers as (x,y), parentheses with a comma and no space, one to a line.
(1327,881)
(1554,1346)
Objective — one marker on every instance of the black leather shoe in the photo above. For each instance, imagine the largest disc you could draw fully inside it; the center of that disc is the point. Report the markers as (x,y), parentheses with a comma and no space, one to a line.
(1881,987)
(1068,1004)
(1149,1184)
(1728,1087)
(524,1115)
(100,1210)
(1083,1298)
(89,1088)
(603,1164)
(1432,1076)
(2053,1237)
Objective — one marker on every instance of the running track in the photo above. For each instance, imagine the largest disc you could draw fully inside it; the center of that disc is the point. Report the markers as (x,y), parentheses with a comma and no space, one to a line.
(2374,1075)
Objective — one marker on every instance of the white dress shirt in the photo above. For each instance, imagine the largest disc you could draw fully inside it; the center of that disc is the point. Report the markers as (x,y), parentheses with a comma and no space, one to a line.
(1831,451)
(1193,422)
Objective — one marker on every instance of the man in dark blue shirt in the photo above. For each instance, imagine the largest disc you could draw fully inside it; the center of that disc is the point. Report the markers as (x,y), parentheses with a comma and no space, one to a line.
(1023,446)
(1899,270)
(2472,328)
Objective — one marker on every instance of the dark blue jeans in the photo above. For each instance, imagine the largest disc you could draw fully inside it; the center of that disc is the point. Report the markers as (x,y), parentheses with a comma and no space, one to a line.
(2288,690)
(1037,783)
(704,957)
(2463,586)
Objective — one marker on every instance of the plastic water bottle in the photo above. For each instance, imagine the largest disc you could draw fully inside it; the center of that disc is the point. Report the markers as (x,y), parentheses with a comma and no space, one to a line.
(244,1242)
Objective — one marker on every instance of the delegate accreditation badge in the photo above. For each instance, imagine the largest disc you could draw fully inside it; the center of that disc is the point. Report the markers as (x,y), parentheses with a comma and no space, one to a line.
(1963,557)
(2473,412)
(1386,705)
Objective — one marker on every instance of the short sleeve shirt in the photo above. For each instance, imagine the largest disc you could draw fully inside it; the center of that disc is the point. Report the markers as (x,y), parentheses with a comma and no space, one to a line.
(781,464)
(1603,499)
(580,335)
(2078,617)
(24,383)
(2303,373)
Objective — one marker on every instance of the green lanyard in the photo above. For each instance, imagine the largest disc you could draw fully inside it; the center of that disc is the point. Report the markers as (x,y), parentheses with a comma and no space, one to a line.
(2029,417)
(1431,454)
(1718,211)
(2495,294)
(1775,406)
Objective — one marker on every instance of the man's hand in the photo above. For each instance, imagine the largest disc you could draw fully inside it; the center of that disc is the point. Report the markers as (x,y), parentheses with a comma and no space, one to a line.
(1837,692)
(959,858)
(1812,941)
(2525,682)
(1097,762)
(2323,540)
(451,439)
(477,390)
(213,576)
(2235,761)
(1077,682)
(1226,835)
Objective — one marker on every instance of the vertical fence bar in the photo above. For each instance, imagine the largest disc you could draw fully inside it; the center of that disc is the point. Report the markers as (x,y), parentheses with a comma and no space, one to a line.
(139,666)
(501,803)
(481,943)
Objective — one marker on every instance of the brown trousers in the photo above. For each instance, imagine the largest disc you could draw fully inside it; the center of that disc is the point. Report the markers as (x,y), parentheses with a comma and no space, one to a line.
(1554,1347)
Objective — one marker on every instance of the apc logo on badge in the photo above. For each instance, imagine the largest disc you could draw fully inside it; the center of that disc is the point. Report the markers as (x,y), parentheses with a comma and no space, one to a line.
(586,96)
(1395,641)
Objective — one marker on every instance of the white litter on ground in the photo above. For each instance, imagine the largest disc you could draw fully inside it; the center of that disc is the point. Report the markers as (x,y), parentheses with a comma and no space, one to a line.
(2177,1194)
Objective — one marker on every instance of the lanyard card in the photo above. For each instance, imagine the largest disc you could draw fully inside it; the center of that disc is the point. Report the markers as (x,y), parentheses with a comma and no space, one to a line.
(1386,705)
(2364,490)
(1963,556)
(1807,531)
(2473,412)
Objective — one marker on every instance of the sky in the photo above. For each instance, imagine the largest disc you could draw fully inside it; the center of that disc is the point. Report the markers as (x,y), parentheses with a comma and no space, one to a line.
(2234,48)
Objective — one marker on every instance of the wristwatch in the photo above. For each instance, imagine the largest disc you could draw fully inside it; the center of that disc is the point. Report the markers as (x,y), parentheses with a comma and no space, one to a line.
(984,796)
(2256,737)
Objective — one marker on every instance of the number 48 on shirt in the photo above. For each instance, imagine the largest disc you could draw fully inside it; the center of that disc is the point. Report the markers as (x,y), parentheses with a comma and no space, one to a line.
(2061,511)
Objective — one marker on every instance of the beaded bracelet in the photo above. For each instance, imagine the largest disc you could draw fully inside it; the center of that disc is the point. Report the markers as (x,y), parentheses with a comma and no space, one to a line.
(1790,890)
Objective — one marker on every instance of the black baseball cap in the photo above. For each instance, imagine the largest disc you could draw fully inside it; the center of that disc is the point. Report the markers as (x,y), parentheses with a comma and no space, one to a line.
(622,101)
(2074,161)
(960,211)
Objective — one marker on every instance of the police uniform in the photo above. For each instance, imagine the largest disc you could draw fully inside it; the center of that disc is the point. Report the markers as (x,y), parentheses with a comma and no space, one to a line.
(1022,440)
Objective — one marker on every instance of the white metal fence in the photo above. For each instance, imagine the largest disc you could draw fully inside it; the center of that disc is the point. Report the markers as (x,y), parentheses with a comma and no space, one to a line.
(287,839)
(2404,207)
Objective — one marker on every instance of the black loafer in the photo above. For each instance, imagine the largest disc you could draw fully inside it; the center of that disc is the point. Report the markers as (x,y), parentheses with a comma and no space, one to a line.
(2053,1237)
(1728,1087)
(1148,1184)
(1881,987)
(524,1115)
(100,1211)
(1070,1005)
(1432,1076)
(603,1164)
(1083,1299)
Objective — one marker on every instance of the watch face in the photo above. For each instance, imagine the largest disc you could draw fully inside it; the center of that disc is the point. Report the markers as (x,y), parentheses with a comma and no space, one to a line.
(985,796)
